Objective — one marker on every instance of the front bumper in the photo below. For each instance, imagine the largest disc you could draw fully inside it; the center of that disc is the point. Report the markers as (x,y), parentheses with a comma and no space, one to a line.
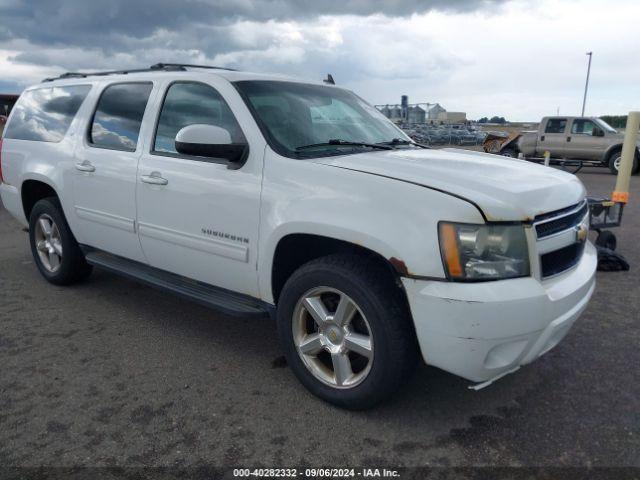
(483,330)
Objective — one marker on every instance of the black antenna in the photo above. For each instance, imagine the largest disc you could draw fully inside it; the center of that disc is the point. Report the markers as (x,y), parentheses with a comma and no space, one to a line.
(329,79)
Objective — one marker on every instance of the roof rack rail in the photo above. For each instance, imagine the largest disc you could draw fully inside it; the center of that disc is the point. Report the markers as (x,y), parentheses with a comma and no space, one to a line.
(190,65)
(164,67)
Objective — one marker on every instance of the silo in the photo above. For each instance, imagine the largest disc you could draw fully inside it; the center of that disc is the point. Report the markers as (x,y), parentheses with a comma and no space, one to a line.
(404,105)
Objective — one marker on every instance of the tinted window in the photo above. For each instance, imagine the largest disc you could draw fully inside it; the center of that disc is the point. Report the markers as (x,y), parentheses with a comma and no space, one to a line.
(189,104)
(45,114)
(556,125)
(583,126)
(116,123)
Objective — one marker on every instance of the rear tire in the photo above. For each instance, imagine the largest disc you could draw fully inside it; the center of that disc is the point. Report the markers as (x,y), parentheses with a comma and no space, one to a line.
(509,152)
(53,246)
(386,349)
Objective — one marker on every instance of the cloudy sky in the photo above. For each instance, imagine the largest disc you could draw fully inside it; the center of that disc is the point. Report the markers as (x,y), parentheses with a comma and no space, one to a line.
(519,59)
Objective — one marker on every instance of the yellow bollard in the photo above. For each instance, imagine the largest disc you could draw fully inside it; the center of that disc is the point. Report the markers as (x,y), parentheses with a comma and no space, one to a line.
(621,192)
(547,158)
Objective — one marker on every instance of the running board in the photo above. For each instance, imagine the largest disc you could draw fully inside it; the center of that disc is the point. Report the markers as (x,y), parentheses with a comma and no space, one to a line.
(224,301)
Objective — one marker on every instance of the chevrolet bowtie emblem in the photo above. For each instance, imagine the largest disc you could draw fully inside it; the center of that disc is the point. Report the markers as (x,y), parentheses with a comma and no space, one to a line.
(581,233)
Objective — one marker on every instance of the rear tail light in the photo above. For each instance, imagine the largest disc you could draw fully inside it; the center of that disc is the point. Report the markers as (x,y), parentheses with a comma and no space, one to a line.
(1,179)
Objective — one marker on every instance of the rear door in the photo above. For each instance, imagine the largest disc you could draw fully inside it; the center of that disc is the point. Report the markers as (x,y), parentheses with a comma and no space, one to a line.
(553,138)
(581,142)
(105,170)
(197,217)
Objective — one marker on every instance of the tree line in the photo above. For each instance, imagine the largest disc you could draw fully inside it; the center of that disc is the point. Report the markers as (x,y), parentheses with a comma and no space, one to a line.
(495,119)
(616,121)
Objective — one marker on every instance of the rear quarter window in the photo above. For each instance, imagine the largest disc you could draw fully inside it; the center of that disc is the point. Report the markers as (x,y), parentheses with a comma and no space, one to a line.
(45,114)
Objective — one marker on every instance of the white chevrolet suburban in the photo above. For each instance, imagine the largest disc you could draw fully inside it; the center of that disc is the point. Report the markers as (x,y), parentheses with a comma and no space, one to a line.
(267,196)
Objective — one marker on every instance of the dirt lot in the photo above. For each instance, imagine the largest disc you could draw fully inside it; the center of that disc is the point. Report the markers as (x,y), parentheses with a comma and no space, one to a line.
(112,373)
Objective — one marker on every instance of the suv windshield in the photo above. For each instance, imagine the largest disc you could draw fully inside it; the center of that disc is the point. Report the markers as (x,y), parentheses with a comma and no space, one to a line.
(303,120)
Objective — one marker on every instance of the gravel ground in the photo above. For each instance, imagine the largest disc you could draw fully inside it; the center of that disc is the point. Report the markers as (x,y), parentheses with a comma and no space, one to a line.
(112,373)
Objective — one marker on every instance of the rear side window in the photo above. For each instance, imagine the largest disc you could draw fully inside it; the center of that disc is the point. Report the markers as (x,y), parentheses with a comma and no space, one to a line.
(45,114)
(190,103)
(116,122)
(556,125)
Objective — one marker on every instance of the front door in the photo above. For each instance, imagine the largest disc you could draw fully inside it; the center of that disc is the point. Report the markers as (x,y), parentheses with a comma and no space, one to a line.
(553,138)
(197,217)
(106,163)
(581,141)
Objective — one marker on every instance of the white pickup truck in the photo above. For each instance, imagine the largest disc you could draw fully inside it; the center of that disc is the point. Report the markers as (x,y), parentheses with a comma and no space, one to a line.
(261,195)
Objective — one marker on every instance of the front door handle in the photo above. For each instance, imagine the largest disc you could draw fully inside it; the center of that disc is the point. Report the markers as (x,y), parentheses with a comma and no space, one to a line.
(154,178)
(85,166)
(568,139)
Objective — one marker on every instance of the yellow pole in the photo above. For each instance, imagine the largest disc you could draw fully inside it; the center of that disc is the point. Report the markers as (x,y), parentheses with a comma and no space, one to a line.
(621,192)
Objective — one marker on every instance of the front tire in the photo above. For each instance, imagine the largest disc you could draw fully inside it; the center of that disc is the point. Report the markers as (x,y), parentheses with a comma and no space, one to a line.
(346,330)
(53,246)
(615,159)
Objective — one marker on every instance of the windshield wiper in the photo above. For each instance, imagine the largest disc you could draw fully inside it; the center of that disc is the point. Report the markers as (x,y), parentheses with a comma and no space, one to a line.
(339,142)
(400,141)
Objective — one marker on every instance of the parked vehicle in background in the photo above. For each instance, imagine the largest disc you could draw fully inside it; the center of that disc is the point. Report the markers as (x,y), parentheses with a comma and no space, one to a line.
(261,196)
(443,134)
(7,101)
(586,139)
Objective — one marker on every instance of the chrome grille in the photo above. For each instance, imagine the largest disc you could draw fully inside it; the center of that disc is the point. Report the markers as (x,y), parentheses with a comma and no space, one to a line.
(553,225)
(559,245)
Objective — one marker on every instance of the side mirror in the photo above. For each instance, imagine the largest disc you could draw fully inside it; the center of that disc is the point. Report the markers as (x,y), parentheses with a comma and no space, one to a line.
(597,132)
(202,140)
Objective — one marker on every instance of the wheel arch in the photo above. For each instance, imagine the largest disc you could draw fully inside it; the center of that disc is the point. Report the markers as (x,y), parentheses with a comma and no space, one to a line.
(34,189)
(610,151)
(295,249)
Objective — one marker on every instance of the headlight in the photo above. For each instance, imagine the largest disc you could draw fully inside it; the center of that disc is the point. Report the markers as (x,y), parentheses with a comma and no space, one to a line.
(483,252)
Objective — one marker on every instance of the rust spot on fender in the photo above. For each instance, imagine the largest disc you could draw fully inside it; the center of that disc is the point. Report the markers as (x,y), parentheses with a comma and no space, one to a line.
(400,266)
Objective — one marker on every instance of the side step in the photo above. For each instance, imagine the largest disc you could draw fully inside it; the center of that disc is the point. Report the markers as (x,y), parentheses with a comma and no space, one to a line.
(224,301)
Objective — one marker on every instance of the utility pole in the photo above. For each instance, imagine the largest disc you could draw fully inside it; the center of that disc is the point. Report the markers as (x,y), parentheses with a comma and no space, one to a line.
(586,85)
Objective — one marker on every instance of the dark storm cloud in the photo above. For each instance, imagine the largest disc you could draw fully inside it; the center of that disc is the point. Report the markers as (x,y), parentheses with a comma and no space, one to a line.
(86,22)
(258,35)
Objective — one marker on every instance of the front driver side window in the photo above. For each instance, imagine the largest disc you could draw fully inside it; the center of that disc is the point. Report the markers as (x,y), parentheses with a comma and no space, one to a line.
(189,103)
(583,126)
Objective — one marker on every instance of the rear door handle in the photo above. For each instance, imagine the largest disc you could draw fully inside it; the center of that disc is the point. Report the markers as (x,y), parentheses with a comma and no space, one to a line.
(154,178)
(85,166)
(568,139)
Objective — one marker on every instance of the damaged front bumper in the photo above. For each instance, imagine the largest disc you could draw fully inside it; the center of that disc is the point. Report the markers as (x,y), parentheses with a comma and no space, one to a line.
(483,331)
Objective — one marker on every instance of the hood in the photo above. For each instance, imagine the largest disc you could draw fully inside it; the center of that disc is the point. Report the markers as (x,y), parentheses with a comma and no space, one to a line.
(504,189)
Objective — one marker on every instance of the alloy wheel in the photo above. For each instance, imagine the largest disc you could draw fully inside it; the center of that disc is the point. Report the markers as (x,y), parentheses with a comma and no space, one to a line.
(616,162)
(48,243)
(333,337)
